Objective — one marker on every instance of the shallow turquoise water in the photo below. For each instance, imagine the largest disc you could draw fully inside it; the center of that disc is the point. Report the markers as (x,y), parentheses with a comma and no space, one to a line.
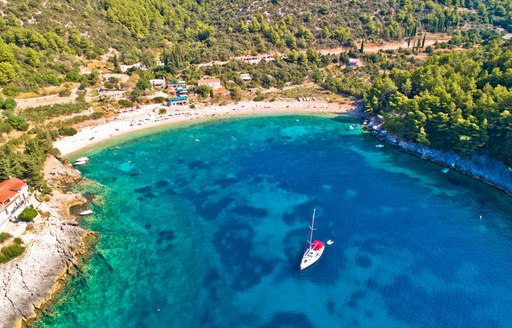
(204,226)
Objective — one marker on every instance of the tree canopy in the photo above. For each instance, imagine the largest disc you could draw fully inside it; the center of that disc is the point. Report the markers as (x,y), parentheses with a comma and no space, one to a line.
(458,100)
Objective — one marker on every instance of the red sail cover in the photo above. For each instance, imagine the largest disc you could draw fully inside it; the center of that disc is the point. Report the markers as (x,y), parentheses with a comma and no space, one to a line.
(317,245)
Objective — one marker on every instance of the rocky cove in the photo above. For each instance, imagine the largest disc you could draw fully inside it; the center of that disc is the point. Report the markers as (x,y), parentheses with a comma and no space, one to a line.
(53,250)
(481,167)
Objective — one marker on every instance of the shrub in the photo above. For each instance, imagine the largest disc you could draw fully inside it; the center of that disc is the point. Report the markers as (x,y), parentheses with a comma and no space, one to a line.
(192,106)
(162,111)
(28,214)
(7,253)
(11,90)
(65,93)
(17,122)
(5,127)
(67,131)
(9,104)
(18,241)
(97,115)
(80,96)
(125,103)
(4,236)
(203,90)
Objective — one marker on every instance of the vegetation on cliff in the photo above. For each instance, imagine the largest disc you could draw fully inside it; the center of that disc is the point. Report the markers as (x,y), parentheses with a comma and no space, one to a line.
(458,101)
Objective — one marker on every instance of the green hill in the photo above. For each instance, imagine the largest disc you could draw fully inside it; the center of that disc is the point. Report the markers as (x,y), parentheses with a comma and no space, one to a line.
(41,39)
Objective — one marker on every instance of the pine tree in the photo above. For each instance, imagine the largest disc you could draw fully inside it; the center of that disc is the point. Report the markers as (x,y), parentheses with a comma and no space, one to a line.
(5,169)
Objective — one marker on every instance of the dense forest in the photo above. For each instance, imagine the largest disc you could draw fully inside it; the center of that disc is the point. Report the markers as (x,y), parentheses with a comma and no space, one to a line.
(40,40)
(458,101)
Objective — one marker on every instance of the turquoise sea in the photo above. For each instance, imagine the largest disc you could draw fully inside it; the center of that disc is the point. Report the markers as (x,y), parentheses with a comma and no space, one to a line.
(205,225)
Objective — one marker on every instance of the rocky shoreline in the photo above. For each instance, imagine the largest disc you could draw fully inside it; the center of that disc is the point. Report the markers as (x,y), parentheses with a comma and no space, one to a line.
(53,250)
(480,167)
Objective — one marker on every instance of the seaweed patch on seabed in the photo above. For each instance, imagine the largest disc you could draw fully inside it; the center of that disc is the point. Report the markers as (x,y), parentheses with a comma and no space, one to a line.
(246,210)
(211,210)
(288,319)
(198,165)
(143,190)
(234,243)
(226,182)
(165,239)
(162,183)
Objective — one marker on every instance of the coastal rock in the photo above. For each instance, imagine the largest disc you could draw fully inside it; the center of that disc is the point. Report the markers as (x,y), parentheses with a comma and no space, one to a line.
(30,281)
(481,167)
(59,175)
(56,245)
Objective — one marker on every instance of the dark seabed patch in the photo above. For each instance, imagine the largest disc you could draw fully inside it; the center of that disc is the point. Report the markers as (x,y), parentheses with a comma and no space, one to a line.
(143,190)
(245,210)
(162,183)
(289,320)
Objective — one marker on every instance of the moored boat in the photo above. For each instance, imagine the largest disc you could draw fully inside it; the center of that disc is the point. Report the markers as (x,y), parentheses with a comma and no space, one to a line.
(86,212)
(314,249)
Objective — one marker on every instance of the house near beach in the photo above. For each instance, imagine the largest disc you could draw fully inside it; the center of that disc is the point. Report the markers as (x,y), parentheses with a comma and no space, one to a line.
(245,77)
(355,62)
(157,83)
(125,68)
(213,83)
(110,94)
(177,85)
(177,101)
(13,199)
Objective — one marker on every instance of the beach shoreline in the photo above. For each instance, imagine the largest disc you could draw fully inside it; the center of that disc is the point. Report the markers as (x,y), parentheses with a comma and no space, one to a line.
(148,118)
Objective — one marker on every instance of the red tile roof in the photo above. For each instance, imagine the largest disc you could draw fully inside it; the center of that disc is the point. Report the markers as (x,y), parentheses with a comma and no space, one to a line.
(9,188)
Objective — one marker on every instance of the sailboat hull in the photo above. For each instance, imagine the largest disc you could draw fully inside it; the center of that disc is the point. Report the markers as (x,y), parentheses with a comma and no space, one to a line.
(310,257)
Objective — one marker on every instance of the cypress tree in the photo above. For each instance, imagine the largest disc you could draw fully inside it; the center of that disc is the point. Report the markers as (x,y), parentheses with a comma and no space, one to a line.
(424,38)
(362,46)
(116,62)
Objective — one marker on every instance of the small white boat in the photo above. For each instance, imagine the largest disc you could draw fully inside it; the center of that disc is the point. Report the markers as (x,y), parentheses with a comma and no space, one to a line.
(379,146)
(351,127)
(79,163)
(314,249)
(82,159)
(330,242)
(445,170)
(196,140)
(86,212)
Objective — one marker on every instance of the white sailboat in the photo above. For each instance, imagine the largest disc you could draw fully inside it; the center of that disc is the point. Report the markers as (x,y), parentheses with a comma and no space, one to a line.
(314,249)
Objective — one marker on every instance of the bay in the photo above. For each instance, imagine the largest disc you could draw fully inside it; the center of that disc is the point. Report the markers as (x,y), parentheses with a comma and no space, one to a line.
(205,225)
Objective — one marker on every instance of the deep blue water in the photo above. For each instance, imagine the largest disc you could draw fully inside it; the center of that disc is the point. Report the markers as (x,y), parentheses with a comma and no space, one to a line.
(209,233)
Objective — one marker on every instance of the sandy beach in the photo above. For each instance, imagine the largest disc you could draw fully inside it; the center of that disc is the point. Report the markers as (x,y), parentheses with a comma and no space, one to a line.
(131,120)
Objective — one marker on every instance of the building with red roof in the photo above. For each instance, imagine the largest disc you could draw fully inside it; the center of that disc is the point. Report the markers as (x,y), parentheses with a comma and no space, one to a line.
(13,199)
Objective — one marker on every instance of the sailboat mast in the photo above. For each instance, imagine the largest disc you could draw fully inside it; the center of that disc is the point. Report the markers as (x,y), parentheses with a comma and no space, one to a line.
(312,228)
